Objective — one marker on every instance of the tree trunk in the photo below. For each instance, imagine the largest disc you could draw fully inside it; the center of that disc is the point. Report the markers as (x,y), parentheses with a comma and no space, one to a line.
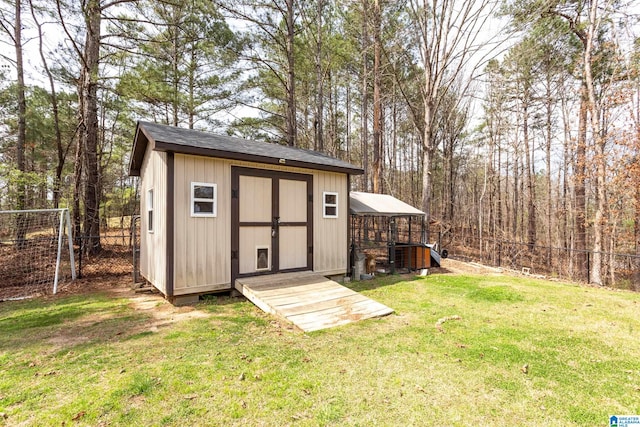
(549,118)
(377,100)
(599,220)
(22,104)
(319,120)
(531,189)
(427,150)
(580,184)
(60,150)
(21,225)
(89,125)
(364,116)
(292,127)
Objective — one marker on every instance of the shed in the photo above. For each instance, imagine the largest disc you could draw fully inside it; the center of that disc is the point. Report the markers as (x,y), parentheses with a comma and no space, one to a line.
(390,229)
(216,208)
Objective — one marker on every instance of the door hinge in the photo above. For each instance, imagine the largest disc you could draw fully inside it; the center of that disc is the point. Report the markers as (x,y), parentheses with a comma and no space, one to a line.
(310,250)
(310,198)
(234,254)
(234,193)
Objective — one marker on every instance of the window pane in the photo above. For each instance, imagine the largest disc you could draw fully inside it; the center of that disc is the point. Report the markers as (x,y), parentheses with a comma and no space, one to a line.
(330,199)
(150,221)
(203,207)
(202,192)
(330,211)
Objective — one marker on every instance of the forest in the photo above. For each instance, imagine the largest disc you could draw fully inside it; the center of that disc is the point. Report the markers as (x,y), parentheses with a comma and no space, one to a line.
(512,124)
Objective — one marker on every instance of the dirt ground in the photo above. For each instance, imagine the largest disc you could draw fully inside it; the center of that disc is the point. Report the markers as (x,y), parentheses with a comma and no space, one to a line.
(452,266)
(151,303)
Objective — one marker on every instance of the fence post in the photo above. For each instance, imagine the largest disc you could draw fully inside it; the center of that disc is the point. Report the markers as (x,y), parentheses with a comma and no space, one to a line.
(588,267)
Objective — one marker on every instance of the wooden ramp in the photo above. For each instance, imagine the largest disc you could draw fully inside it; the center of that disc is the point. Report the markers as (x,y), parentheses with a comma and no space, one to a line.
(308,300)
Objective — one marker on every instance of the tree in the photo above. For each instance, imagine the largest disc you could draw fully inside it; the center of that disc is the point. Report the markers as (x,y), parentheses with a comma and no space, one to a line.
(87,161)
(185,64)
(586,25)
(272,32)
(448,35)
(62,148)
(13,29)
(377,99)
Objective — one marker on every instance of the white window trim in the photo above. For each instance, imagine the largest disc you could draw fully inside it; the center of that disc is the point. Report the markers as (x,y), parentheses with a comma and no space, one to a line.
(199,199)
(150,198)
(325,205)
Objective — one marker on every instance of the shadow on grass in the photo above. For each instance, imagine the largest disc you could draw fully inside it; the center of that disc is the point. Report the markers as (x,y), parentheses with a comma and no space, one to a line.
(68,322)
(37,313)
(218,299)
(85,320)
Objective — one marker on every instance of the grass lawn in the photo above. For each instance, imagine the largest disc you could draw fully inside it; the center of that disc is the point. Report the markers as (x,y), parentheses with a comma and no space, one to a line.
(459,350)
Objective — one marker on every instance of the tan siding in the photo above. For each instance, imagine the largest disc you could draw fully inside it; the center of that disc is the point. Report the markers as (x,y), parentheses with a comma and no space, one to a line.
(153,245)
(202,244)
(202,261)
(330,234)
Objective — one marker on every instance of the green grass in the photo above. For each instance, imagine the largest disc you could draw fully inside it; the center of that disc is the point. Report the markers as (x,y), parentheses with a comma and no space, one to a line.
(94,360)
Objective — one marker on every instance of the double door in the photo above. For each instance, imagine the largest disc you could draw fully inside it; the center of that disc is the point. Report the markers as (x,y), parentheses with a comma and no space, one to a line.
(272,222)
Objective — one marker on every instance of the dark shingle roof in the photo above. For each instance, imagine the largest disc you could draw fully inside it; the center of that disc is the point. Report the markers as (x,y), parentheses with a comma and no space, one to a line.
(188,141)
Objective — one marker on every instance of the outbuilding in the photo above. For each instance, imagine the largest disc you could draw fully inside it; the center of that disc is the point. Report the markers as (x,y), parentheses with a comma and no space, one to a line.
(216,208)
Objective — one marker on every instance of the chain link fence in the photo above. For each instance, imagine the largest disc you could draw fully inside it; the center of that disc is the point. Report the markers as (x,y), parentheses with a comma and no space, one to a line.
(28,270)
(620,271)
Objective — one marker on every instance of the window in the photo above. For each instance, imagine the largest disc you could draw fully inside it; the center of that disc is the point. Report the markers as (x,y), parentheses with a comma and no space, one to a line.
(329,205)
(150,211)
(203,199)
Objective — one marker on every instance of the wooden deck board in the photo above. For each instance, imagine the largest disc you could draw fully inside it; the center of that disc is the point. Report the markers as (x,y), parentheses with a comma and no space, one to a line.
(309,300)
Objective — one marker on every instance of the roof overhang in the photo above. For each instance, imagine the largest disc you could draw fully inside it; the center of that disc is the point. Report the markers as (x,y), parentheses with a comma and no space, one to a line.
(140,142)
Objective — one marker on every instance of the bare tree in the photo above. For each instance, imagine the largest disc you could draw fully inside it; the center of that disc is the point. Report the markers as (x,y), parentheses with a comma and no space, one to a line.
(62,149)
(450,44)
(13,29)
(378,144)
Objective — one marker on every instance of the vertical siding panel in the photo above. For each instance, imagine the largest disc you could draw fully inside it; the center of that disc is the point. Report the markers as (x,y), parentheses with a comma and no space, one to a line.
(330,234)
(202,243)
(152,245)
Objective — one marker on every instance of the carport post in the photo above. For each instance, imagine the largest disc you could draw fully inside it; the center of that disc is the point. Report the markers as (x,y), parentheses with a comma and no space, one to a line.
(392,251)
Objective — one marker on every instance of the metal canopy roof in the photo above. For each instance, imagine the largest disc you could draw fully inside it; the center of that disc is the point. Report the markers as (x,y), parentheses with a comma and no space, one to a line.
(369,204)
